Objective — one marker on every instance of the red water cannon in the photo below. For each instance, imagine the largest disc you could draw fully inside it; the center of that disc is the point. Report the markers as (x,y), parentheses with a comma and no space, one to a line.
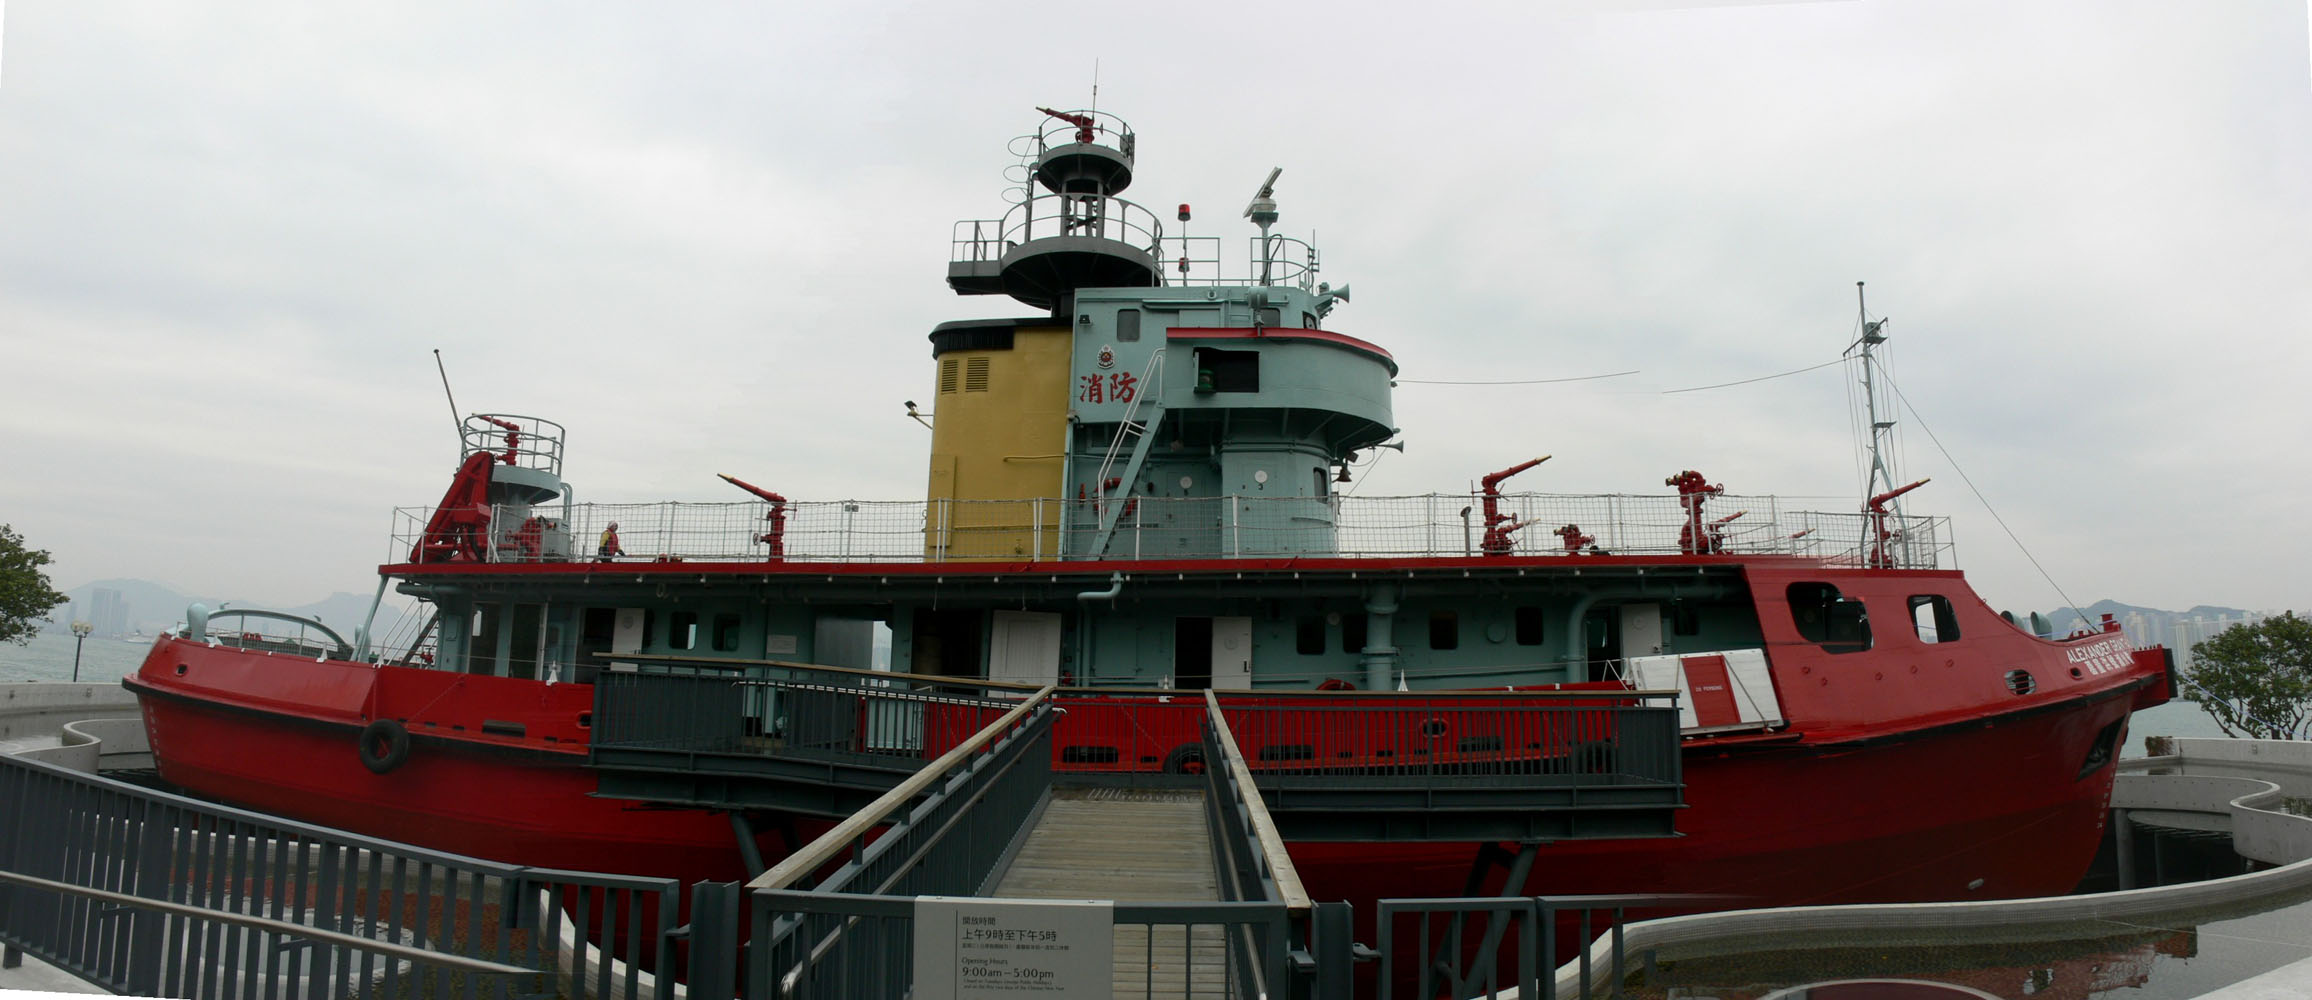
(1083,123)
(776,538)
(1573,538)
(1499,526)
(513,437)
(1693,490)
(1882,539)
(1718,530)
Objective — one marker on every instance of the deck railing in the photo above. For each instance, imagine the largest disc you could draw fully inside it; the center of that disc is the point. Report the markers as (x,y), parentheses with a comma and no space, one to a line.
(1436,525)
(152,894)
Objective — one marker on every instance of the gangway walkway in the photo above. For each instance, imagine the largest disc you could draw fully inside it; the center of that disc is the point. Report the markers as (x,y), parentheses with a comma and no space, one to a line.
(1130,843)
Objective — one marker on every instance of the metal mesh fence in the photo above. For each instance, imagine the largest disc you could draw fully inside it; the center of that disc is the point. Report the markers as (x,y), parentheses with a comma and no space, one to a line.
(1435,525)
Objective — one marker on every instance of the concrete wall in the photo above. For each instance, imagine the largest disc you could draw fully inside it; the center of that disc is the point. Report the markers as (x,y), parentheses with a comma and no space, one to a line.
(42,709)
(86,727)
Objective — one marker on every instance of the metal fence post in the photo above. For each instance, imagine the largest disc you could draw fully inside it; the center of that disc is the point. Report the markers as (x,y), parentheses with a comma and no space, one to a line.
(1332,941)
(714,940)
(150,878)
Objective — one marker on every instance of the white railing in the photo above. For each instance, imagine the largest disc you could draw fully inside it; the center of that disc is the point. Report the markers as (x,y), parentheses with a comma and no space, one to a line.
(1437,525)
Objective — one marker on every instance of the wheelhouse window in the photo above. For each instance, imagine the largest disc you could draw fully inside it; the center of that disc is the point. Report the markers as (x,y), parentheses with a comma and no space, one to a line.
(726,632)
(1227,371)
(1932,616)
(1529,626)
(1309,635)
(682,630)
(1444,630)
(1839,624)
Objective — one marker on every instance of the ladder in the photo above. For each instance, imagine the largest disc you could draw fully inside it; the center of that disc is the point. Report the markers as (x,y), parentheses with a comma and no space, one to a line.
(1136,429)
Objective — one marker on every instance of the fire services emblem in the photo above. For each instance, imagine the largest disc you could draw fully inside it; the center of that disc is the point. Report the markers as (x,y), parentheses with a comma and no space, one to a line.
(1108,356)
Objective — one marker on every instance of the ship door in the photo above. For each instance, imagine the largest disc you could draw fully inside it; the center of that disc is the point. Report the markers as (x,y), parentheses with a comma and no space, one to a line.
(1232,654)
(1602,637)
(626,635)
(1024,646)
(1191,653)
(1641,629)
(1212,653)
(945,643)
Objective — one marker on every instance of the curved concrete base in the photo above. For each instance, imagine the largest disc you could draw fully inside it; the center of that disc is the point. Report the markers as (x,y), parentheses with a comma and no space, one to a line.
(86,727)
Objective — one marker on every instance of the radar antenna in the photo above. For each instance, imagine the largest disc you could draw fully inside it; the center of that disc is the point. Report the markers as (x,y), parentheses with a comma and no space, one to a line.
(1262,211)
(1879,478)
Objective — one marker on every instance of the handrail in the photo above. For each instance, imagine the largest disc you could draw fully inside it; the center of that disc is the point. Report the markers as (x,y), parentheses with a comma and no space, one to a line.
(855,826)
(269,924)
(1065,691)
(1288,883)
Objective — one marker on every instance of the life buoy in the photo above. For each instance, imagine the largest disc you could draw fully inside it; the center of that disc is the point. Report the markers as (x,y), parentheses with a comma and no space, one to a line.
(1187,758)
(383,745)
(1336,684)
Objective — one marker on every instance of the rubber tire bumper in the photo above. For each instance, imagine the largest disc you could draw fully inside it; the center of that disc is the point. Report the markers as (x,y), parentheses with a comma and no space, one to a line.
(383,746)
(1184,757)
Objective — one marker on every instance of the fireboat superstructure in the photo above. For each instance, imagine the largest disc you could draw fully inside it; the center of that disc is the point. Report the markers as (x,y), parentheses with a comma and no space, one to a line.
(1133,492)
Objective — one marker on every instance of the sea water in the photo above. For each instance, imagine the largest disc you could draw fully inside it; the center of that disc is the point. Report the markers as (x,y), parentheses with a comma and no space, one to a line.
(48,657)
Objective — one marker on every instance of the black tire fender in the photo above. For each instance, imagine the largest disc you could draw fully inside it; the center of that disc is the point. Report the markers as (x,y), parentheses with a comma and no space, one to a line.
(383,746)
(1187,758)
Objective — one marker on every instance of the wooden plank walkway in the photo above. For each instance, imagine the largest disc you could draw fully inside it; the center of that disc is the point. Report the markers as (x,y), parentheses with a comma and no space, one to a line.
(1148,845)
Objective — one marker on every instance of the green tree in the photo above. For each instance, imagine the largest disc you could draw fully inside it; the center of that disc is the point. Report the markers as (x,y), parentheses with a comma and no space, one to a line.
(24,593)
(2256,680)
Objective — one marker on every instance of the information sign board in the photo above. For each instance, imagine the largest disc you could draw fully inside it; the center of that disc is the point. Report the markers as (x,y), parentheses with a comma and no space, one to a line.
(1010,949)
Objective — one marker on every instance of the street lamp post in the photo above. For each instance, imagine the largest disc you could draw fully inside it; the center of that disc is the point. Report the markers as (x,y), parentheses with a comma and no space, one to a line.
(80,631)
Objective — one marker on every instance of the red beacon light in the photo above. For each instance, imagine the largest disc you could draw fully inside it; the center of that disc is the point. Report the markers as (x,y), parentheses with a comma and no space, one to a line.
(1184,211)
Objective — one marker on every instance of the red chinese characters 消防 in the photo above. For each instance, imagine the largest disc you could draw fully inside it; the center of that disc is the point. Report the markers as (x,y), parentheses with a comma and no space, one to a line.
(1118,387)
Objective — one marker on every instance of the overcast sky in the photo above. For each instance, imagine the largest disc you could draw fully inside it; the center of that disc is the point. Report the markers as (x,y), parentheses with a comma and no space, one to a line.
(711,238)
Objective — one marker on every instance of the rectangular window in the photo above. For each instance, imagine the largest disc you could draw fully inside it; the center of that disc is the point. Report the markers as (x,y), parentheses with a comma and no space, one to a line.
(1444,630)
(1353,633)
(1529,626)
(1931,614)
(1324,484)
(726,632)
(1309,635)
(1270,316)
(1127,325)
(682,630)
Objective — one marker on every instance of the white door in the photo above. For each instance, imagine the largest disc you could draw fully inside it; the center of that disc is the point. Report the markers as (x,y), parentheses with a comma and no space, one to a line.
(626,636)
(1641,630)
(1024,646)
(1232,654)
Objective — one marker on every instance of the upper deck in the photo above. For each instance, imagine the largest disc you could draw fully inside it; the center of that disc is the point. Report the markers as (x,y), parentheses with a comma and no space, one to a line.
(963,531)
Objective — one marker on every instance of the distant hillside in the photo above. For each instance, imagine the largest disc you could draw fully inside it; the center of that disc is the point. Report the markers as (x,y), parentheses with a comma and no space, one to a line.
(154,607)
(2064,617)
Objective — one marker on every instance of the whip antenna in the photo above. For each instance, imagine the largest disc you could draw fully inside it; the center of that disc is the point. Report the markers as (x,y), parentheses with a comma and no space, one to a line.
(455,420)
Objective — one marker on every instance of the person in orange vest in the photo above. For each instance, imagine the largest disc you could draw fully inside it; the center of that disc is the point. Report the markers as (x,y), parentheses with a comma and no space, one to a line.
(609,548)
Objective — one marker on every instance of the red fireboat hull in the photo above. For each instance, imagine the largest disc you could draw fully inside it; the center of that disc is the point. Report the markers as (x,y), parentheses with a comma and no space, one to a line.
(278,734)
(1991,806)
